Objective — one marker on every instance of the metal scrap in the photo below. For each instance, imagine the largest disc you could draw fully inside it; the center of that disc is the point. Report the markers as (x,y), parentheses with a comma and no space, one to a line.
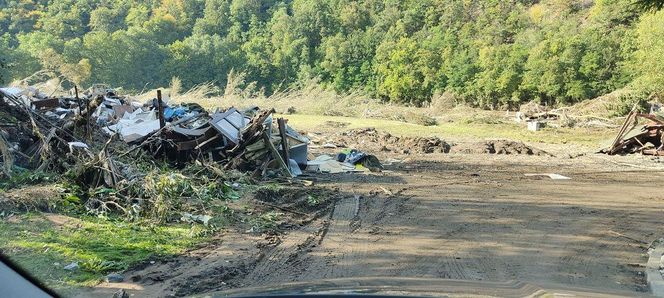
(647,139)
(69,127)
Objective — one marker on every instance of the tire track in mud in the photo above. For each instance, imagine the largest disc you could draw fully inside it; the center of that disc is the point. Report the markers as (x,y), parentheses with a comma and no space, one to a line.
(291,259)
(447,261)
(441,266)
(339,247)
(283,256)
(576,264)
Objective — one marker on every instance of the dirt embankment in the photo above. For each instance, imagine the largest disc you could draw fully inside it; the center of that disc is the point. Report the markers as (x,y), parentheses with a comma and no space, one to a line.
(372,140)
(497,147)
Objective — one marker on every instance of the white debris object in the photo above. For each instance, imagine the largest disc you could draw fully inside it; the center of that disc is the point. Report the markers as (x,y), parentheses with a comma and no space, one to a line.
(535,125)
(552,176)
(313,165)
(188,217)
(135,125)
(71,267)
(294,168)
(74,145)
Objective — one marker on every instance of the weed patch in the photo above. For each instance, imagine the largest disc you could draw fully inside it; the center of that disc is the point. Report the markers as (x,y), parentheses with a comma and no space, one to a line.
(98,245)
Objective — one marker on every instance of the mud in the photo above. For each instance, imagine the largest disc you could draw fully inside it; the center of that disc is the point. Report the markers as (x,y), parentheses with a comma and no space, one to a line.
(310,201)
(371,140)
(35,198)
(497,147)
(442,216)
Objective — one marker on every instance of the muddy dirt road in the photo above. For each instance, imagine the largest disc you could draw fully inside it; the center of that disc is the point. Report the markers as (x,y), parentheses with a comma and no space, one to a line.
(450,216)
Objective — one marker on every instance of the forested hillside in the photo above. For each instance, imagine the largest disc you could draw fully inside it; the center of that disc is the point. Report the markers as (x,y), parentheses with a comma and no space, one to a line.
(488,53)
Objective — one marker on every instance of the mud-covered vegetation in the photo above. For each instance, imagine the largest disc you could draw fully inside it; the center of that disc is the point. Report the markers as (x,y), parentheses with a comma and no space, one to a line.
(487,53)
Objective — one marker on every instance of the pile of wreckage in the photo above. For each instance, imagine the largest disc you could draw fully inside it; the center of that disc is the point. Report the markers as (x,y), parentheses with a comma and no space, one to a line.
(647,139)
(45,129)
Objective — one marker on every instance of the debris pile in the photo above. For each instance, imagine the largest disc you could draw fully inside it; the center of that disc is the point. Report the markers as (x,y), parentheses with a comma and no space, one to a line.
(178,133)
(536,117)
(117,154)
(633,137)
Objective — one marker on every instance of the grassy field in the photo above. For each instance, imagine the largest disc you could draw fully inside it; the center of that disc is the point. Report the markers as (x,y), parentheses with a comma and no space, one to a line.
(44,244)
(460,130)
(310,108)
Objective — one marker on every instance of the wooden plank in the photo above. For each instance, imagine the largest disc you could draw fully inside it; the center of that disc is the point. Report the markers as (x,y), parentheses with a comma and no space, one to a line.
(46,103)
(160,107)
(284,139)
(617,142)
(201,145)
(189,145)
(7,158)
(275,154)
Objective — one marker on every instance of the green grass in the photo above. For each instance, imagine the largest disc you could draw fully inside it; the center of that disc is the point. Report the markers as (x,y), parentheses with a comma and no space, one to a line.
(314,105)
(98,245)
(459,130)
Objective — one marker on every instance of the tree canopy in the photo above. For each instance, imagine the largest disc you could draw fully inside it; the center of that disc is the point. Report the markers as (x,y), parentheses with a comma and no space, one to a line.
(488,53)
(650,4)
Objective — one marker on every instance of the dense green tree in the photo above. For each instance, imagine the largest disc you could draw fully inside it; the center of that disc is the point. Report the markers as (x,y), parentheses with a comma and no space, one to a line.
(488,53)
(216,18)
(650,4)
(128,58)
(647,63)
(108,19)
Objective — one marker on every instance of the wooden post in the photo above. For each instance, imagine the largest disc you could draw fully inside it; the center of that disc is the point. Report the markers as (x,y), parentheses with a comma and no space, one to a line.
(78,101)
(88,114)
(284,139)
(87,133)
(160,107)
(275,154)
(80,111)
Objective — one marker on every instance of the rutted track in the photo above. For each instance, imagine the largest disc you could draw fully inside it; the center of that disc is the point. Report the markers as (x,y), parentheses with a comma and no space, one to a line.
(492,226)
(454,218)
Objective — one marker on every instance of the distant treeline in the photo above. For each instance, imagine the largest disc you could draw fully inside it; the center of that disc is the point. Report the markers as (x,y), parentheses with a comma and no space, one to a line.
(484,52)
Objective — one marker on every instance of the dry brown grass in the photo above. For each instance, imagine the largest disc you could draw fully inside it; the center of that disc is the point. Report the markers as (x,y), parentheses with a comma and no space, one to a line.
(442,103)
(312,99)
(602,106)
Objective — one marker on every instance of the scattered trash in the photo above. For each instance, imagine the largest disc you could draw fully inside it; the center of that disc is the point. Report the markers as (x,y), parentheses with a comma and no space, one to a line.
(387,191)
(114,278)
(535,125)
(327,164)
(552,176)
(188,217)
(121,293)
(359,158)
(71,267)
(123,156)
